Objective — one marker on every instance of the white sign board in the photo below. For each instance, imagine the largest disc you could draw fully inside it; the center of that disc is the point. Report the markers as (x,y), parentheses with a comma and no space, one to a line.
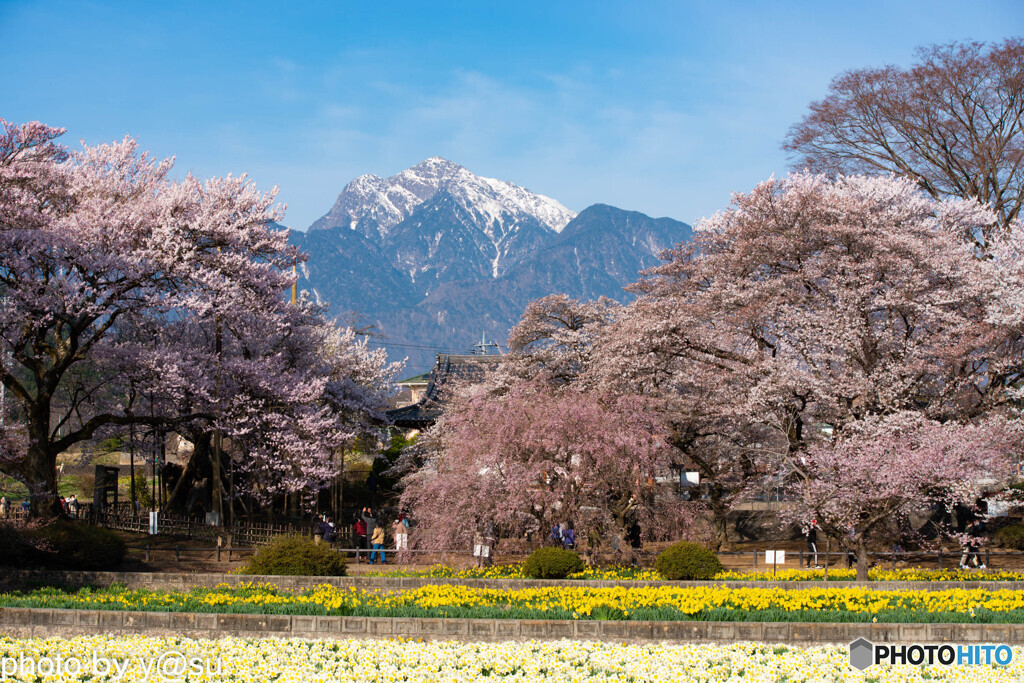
(775,557)
(153,522)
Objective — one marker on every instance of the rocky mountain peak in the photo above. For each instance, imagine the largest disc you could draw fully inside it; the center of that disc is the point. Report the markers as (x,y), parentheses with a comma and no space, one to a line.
(376,206)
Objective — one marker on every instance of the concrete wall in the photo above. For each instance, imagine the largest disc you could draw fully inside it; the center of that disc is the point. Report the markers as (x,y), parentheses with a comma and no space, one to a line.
(67,623)
(16,579)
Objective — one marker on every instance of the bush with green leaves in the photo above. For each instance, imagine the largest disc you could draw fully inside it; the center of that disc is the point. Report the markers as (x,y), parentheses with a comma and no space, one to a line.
(143,492)
(552,563)
(75,545)
(1011,536)
(296,556)
(687,562)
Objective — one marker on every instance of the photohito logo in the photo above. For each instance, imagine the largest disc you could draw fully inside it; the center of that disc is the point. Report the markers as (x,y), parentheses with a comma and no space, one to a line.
(864,653)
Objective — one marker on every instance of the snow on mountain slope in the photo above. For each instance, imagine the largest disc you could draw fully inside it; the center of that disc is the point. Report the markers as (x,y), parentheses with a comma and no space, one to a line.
(375,206)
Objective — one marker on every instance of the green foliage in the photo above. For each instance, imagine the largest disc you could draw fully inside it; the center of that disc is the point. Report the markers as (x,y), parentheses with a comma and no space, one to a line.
(12,488)
(1011,536)
(75,545)
(552,563)
(387,459)
(143,492)
(399,442)
(114,443)
(296,556)
(687,562)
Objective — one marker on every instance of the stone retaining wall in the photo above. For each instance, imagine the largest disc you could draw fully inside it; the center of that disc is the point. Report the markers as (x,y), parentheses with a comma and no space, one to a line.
(25,622)
(19,579)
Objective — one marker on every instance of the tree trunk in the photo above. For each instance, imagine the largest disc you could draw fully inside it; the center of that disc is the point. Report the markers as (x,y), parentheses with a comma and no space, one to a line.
(719,519)
(41,476)
(862,561)
(200,451)
(216,485)
(40,465)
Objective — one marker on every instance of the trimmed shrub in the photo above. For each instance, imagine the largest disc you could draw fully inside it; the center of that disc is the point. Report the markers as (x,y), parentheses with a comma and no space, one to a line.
(1011,536)
(552,563)
(687,562)
(75,545)
(296,556)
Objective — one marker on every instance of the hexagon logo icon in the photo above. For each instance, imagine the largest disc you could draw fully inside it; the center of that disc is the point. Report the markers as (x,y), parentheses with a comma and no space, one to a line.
(862,653)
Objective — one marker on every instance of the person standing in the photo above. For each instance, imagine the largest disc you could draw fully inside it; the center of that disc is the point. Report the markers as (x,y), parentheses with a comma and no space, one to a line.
(73,506)
(5,507)
(400,530)
(329,532)
(972,545)
(812,544)
(360,536)
(370,521)
(851,538)
(491,540)
(480,550)
(377,539)
(568,537)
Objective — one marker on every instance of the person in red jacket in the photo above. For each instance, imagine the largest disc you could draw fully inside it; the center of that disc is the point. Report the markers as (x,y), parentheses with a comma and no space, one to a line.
(360,536)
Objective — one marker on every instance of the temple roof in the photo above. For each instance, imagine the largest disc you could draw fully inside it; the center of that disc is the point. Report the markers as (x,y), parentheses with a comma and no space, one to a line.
(417,379)
(448,369)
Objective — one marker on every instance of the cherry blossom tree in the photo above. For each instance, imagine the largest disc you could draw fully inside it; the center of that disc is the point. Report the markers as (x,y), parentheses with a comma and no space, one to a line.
(117,284)
(331,390)
(289,391)
(887,467)
(809,304)
(555,338)
(532,458)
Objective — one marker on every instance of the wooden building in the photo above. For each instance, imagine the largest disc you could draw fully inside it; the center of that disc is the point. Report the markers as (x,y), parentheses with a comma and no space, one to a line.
(448,370)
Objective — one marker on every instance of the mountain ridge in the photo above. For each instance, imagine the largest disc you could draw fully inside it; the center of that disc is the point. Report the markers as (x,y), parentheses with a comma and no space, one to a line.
(436,255)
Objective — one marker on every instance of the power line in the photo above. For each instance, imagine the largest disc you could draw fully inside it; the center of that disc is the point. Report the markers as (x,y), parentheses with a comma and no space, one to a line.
(412,346)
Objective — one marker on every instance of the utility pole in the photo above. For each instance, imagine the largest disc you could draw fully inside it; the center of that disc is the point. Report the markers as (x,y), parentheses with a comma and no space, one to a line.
(217,502)
(482,346)
(156,464)
(8,361)
(295,285)
(131,466)
(152,502)
(215,483)
(3,398)
(294,498)
(231,491)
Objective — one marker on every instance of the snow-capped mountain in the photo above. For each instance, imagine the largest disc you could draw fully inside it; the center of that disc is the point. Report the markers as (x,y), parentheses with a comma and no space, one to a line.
(371,204)
(440,223)
(436,255)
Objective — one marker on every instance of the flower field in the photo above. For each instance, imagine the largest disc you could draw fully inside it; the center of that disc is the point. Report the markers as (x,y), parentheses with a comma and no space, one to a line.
(515,571)
(232,659)
(659,603)
(874,574)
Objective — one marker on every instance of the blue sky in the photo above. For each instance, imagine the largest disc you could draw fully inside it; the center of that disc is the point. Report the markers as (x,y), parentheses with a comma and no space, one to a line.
(660,107)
